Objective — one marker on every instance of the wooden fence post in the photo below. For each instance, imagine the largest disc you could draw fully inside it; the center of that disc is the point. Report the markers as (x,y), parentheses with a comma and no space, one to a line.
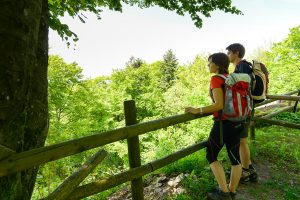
(296,103)
(252,130)
(252,125)
(133,150)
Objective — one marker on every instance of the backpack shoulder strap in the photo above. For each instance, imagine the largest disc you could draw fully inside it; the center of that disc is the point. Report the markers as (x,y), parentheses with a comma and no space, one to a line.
(222,76)
(220,113)
(248,63)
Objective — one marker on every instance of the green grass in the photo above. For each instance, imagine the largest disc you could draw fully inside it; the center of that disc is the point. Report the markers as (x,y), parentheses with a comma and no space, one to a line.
(280,147)
(200,179)
(277,145)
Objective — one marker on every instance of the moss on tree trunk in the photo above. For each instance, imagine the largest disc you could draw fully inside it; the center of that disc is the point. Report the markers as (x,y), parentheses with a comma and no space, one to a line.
(23,86)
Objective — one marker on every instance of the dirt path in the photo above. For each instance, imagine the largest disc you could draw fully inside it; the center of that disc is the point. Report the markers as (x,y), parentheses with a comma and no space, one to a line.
(160,186)
(247,191)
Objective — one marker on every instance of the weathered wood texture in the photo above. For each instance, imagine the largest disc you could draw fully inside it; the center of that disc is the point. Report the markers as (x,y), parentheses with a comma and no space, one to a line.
(104,184)
(296,103)
(272,100)
(66,188)
(252,130)
(35,157)
(134,154)
(277,122)
(272,114)
(5,152)
(252,125)
(284,97)
(31,158)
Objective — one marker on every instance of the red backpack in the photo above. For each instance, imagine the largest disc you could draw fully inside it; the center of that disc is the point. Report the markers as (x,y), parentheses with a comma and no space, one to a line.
(237,102)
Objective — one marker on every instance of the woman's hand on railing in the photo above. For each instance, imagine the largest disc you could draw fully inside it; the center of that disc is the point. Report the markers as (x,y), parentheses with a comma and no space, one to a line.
(193,110)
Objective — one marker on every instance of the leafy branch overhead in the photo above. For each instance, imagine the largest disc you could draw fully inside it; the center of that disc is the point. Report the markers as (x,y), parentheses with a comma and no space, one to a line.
(75,8)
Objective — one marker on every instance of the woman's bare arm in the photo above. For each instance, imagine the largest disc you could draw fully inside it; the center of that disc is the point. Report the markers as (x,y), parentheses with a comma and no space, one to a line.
(216,106)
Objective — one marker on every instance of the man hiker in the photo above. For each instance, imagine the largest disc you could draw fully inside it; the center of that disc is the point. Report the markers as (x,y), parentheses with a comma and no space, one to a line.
(235,54)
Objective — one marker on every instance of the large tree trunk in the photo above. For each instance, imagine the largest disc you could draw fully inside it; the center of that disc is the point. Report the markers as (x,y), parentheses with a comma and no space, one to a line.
(23,86)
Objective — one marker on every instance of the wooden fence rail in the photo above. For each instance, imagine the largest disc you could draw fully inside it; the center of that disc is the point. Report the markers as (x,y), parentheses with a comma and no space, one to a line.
(270,99)
(267,101)
(137,171)
(296,103)
(278,112)
(13,162)
(67,187)
(5,152)
(284,97)
(35,157)
(277,122)
(104,184)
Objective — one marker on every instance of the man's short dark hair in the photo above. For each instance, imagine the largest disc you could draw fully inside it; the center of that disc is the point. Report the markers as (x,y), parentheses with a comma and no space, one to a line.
(237,47)
(221,60)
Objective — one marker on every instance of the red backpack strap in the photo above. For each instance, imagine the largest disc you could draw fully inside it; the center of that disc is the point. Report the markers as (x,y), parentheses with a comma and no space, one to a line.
(220,112)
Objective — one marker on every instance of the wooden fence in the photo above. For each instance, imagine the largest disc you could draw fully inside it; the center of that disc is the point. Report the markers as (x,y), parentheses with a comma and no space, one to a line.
(11,162)
(265,118)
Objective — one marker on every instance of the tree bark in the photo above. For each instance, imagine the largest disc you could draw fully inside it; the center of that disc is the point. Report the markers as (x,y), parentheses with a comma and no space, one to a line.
(23,86)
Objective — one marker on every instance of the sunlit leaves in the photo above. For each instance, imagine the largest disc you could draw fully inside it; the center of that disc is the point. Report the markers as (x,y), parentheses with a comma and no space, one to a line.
(283,62)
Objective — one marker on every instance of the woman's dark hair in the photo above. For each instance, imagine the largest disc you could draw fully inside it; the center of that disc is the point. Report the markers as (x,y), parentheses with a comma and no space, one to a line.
(237,47)
(221,60)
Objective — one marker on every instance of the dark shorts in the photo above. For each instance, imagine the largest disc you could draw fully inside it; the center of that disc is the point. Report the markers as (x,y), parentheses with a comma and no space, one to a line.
(244,132)
(231,139)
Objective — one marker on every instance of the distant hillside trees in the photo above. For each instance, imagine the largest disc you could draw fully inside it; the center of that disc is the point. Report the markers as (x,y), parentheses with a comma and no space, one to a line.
(283,62)
(169,67)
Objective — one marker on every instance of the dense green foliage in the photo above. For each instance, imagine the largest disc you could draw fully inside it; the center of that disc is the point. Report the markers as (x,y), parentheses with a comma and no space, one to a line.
(283,61)
(168,69)
(79,107)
